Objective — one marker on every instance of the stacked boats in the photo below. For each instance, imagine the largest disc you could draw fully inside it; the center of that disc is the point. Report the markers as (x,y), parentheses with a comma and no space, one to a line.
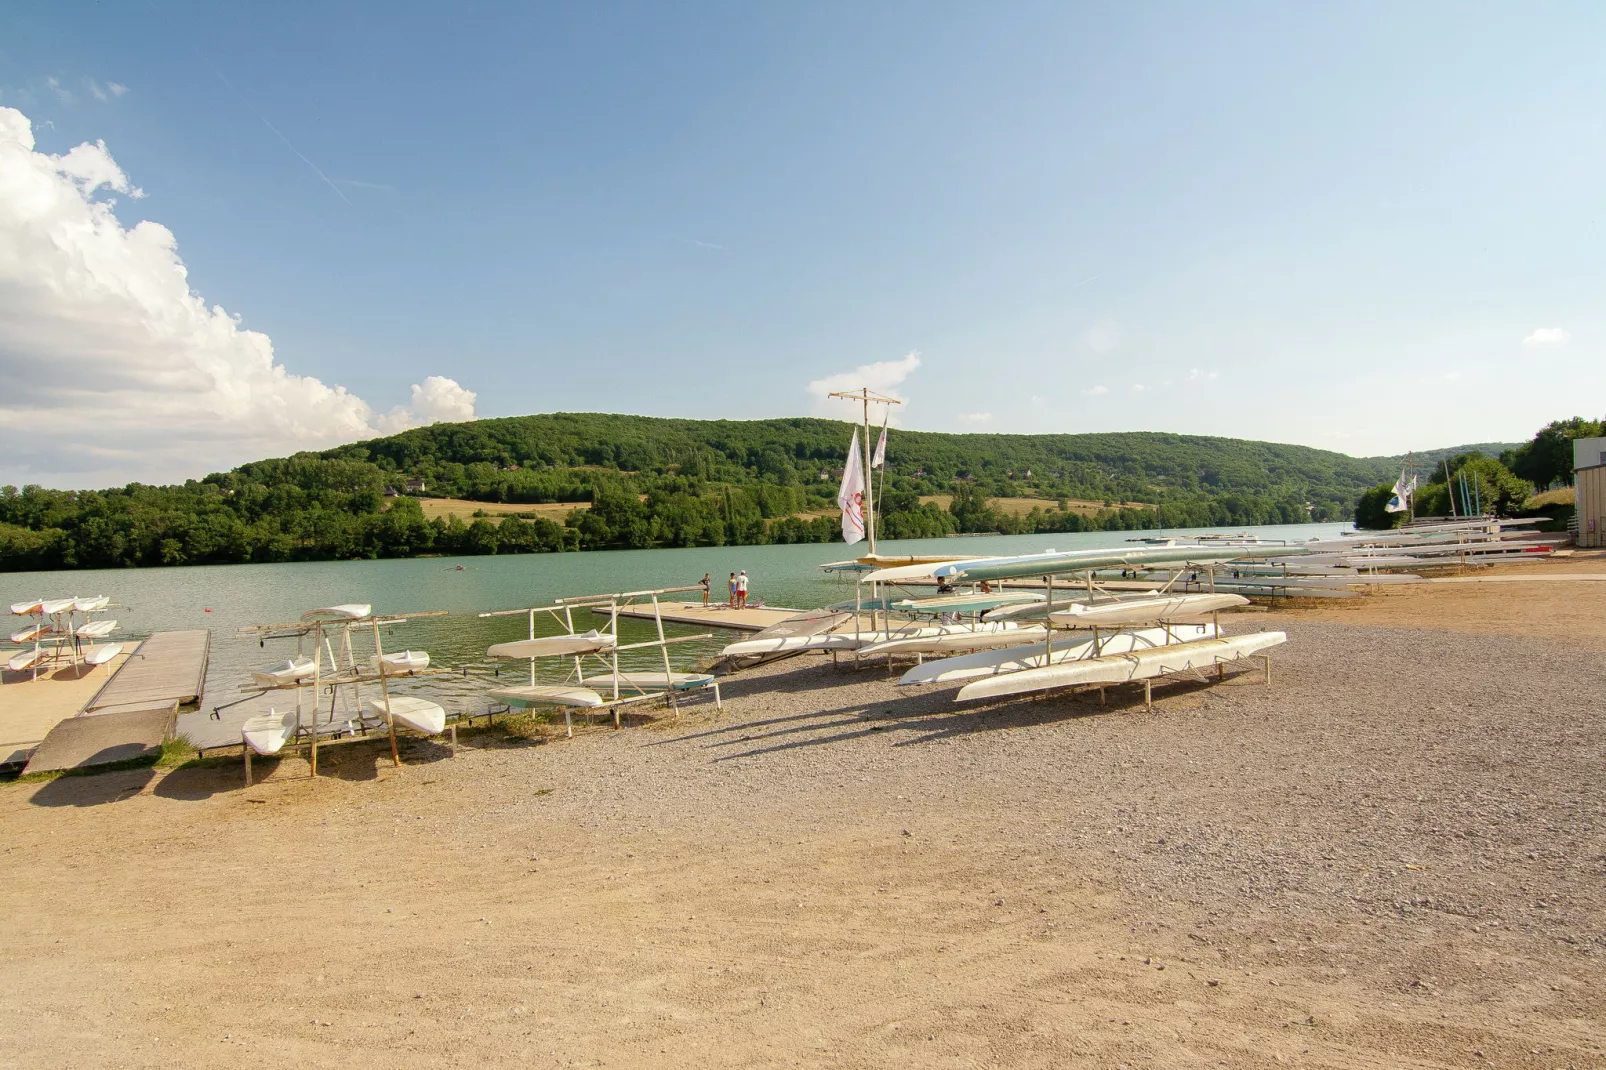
(343,675)
(55,635)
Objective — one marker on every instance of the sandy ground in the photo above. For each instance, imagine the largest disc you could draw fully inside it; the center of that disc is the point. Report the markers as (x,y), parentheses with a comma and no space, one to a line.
(1393,857)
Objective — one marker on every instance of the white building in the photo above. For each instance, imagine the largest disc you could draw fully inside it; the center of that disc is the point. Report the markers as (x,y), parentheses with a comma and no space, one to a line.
(1589,483)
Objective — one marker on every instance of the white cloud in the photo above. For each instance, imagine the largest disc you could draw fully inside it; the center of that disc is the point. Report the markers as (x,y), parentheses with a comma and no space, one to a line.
(1095,391)
(976,418)
(883,377)
(55,86)
(1137,388)
(114,369)
(117,88)
(1548,336)
(1103,337)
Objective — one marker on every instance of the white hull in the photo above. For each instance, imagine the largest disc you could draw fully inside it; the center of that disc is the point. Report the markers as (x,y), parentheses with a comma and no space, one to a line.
(401,661)
(1016,659)
(847,640)
(548,646)
(90,605)
(1123,668)
(100,655)
(955,643)
(415,713)
(24,609)
(648,681)
(1144,610)
(96,629)
(29,634)
(58,605)
(347,611)
(286,672)
(546,695)
(23,660)
(267,733)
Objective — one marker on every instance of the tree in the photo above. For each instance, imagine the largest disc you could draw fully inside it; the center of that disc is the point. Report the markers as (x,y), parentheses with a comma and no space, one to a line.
(1371,511)
(1548,458)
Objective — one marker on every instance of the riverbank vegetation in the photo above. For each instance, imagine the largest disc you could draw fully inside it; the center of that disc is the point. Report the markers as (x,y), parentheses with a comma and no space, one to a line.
(632,482)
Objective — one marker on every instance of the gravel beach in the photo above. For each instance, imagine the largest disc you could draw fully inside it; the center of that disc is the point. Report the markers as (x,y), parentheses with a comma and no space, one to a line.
(1395,855)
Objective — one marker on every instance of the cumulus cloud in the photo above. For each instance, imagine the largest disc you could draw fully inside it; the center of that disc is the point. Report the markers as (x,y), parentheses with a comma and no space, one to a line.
(1547,336)
(114,369)
(1095,391)
(976,418)
(882,377)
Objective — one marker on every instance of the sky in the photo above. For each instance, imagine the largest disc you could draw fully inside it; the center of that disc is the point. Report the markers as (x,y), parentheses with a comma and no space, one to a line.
(232,231)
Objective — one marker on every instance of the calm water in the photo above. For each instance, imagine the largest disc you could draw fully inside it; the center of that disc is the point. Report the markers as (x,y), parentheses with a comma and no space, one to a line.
(224,598)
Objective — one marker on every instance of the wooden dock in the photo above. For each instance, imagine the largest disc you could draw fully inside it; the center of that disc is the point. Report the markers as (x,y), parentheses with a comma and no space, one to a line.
(714,615)
(167,667)
(30,708)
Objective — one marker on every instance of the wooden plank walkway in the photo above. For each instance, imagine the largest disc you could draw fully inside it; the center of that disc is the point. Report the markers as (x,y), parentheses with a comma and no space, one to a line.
(167,667)
(30,708)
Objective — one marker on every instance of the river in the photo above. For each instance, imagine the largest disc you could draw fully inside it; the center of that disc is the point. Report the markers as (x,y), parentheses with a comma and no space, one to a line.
(225,598)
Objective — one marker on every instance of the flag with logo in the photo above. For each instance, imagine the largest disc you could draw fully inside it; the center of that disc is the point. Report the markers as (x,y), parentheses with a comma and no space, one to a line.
(850,496)
(879,458)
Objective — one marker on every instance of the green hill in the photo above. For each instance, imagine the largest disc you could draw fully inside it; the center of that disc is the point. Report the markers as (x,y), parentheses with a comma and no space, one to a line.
(639,481)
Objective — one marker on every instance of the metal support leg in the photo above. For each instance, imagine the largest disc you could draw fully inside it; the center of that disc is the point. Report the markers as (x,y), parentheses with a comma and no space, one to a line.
(454,740)
(1148,695)
(246,748)
(718,702)
(568,724)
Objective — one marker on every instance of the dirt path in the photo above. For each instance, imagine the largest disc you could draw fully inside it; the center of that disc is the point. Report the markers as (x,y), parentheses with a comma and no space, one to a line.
(1394,857)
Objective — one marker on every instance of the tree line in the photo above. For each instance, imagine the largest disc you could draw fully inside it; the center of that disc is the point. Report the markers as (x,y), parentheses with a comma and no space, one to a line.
(640,482)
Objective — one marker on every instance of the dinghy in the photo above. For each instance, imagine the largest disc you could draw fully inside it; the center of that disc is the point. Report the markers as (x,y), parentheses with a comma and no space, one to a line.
(24,660)
(1019,658)
(546,695)
(547,646)
(26,609)
(32,632)
(100,655)
(1123,668)
(416,713)
(90,605)
(267,733)
(955,643)
(290,671)
(348,611)
(1144,610)
(650,681)
(56,605)
(96,629)
(401,662)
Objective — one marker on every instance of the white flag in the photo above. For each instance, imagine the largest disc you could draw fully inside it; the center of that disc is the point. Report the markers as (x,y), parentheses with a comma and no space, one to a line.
(879,458)
(1401,501)
(850,497)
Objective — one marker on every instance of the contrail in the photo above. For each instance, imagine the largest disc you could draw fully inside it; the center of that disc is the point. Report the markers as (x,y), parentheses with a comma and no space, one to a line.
(240,97)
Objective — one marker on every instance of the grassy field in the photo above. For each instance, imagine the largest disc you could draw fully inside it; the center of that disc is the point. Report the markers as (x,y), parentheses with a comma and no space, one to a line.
(1559,496)
(1022,506)
(554,511)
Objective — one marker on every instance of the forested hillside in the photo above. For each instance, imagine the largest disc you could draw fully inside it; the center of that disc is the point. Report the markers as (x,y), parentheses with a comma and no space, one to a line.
(643,481)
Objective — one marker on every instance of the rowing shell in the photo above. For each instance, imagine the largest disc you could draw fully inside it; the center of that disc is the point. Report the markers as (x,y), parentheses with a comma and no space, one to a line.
(1123,668)
(1143,610)
(1014,659)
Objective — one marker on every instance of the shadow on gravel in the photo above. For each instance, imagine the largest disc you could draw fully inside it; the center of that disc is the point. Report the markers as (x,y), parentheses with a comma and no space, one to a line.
(932,716)
(92,790)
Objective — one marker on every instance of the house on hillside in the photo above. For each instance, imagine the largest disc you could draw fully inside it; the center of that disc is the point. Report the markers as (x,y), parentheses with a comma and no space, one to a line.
(392,492)
(1589,483)
(415,486)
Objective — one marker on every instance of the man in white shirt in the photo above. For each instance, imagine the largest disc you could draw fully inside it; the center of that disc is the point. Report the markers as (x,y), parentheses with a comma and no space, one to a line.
(741,589)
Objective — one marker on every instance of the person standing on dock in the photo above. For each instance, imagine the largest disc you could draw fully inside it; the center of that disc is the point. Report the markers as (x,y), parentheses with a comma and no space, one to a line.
(741,589)
(733,591)
(705,583)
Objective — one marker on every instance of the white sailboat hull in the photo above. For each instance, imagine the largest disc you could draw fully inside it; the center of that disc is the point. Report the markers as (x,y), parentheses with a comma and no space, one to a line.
(346,611)
(24,660)
(419,714)
(1144,610)
(100,655)
(96,629)
(847,640)
(400,662)
(548,646)
(1123,668)
(267,733)
(955,643)
(546,695)
(648,681)
(1016,659)
(290,671)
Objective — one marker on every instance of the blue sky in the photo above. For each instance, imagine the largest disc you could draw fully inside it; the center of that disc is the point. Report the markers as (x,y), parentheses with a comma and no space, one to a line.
(1334,225)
